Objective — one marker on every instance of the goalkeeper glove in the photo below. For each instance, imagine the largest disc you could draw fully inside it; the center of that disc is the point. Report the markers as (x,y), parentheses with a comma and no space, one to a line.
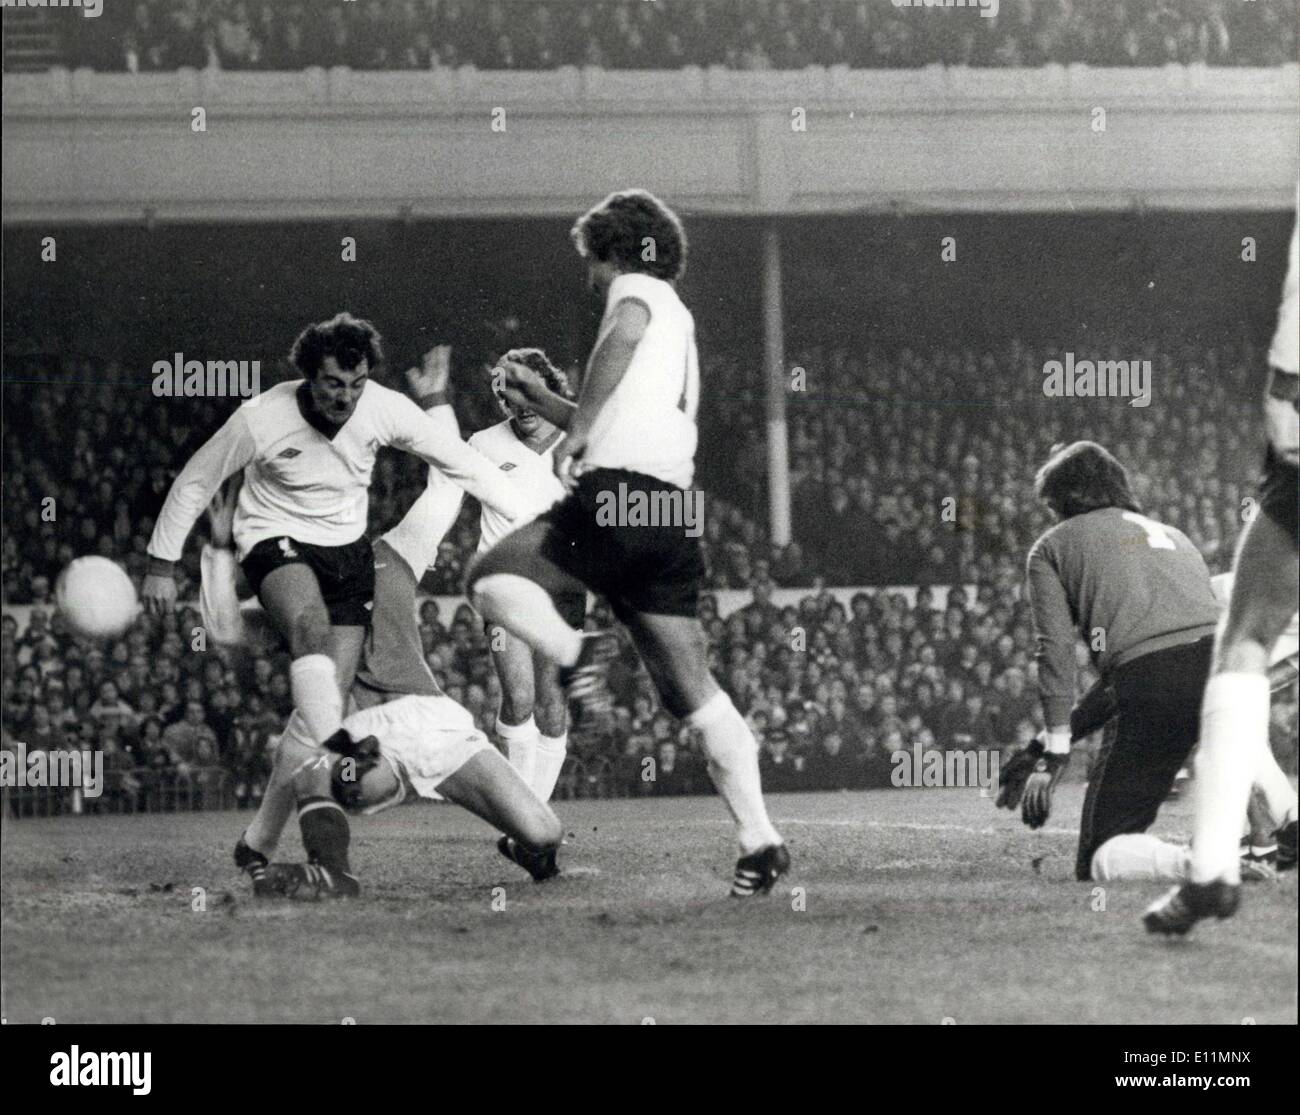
(1042,780)
(1015,773)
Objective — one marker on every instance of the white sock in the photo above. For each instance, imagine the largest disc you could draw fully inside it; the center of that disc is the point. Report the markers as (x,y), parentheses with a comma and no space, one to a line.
(733,765)
(1141,856)
(551,751)
(315,687)
(276,809)
(1275,788)
(521,746)
(1234,735)
(526,610)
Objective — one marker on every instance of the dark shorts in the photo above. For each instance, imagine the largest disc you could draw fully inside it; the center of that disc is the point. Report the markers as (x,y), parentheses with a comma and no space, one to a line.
(346,574)
(1278,492)
(1145,745)
(636,566)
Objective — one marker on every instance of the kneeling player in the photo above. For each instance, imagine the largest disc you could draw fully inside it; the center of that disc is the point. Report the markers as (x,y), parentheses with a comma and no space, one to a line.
(1139,593)
(533,718)
(431,739)
(409,748)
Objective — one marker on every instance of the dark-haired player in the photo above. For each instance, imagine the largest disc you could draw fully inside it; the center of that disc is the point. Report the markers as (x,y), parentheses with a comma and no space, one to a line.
(631,437)
(533,718)
(1138,593)
(1265,595)
(405,740)
(307,448)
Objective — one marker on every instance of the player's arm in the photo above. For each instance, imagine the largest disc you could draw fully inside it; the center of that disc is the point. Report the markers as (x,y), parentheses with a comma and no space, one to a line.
(609,364)
(225,453)
(426,523)
(1054,637)
(218,600)
(1028,777)
(414,431)
(525,388)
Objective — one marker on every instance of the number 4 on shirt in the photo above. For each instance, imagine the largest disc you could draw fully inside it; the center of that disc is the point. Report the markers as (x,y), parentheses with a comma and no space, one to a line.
(1157,539)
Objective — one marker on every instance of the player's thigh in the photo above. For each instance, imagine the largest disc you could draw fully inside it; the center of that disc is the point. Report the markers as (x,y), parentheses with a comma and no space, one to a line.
(1126,787)
(291,595)
(513,659)
(1265,595)
(489,787)
(676,654)
(521,554)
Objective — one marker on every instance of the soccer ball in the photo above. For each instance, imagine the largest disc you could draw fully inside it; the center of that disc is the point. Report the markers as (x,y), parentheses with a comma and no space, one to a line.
(96,597)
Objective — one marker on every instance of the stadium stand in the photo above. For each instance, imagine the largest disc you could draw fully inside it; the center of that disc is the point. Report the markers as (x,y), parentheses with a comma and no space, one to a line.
(159,35)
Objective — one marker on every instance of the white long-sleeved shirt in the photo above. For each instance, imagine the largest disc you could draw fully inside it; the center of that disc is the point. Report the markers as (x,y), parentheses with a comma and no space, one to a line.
(301,483)
(532,473)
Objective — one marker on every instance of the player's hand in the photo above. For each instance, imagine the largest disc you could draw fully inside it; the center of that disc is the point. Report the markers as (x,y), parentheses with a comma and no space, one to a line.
(1037,806)
(520,385)
(569,464)
(221,512)
(1283,423)
(1015,773)
(433,374)
(158,593)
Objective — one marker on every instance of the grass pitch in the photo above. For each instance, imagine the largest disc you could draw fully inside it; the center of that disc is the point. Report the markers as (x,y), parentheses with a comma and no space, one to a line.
(912,906)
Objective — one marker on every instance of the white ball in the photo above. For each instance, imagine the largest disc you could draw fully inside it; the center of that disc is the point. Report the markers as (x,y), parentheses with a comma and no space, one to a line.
(96,597)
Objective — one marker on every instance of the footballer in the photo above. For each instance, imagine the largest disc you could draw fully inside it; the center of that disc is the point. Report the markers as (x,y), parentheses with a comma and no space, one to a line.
(405,740)
(307,449)
(1139,593)
(1265,595)
(631,429)
(533,718)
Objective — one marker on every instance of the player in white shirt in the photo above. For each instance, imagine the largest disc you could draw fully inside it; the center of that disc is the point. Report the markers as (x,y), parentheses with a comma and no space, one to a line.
(629,527)
(307,449)
(533,718)
(403,738)
(411,544)
(1265,596)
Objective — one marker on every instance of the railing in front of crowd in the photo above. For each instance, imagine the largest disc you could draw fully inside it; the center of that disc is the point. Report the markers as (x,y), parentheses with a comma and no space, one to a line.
(135,791)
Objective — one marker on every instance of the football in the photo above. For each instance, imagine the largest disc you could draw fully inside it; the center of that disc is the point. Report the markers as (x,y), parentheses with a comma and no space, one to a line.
(96,597)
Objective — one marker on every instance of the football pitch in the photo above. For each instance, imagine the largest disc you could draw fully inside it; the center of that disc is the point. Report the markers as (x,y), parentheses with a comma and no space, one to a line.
(904,906)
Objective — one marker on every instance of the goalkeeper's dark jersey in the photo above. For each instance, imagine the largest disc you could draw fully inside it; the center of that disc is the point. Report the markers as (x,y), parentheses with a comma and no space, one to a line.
(1125,584)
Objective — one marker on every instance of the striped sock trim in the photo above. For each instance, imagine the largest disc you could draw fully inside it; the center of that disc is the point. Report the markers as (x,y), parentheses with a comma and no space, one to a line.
(311,804)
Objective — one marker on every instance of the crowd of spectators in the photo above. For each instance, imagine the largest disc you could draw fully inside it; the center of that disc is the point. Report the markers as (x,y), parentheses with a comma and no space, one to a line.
(923,461)
(152,35)
(926,460)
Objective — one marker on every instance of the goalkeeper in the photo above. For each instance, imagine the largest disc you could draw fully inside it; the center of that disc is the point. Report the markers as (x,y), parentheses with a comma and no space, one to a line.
(1139,594)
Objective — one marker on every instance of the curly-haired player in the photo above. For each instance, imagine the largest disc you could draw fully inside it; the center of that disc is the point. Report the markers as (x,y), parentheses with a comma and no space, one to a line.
(631,439)
(533,718)
(307,449)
